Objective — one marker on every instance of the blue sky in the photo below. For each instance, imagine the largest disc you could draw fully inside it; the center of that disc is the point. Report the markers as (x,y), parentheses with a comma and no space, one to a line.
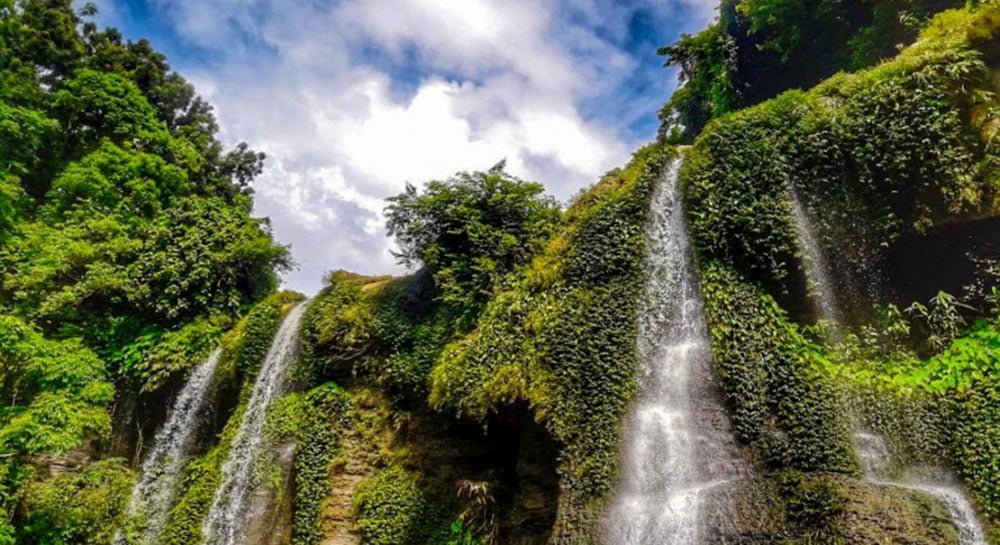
(351,99)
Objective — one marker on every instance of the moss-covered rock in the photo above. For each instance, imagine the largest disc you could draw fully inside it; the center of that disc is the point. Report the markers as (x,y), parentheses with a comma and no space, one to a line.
(873,155)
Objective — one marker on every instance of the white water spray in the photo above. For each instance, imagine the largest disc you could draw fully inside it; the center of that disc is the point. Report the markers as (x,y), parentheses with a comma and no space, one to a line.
(153,496)
(676,447)
(226,519)
(817,271)
(875,460)
(872,451)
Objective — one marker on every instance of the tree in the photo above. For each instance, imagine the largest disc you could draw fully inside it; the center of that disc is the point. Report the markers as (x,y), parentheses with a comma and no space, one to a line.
(471,230)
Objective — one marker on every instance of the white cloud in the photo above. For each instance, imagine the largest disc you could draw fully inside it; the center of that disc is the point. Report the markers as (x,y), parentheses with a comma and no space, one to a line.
(498,79)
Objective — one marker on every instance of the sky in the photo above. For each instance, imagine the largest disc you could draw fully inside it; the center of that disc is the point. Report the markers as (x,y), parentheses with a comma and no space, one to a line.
(352,99)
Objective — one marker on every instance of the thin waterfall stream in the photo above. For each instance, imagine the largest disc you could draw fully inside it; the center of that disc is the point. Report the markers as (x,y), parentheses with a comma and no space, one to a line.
(154,494)
(873,453)
(677,443)
(817,271)
(875,462)
(226,519)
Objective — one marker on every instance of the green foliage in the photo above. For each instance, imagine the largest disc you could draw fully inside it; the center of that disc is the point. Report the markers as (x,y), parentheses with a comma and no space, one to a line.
(246,345)
(460,534)
(856,150)
(96,105)
(77,508)
(174,352)
(471,230)
(120,246)
(315,421)
(975,442)
(391,508)
(126,236)
(244,350)
(120,212)
(386,330)
(561,337)
(56,392)
(24,133)
(759,48)
(813,502)
(773,378)
(707,67)
(201,477)
(955,395)
(558,334)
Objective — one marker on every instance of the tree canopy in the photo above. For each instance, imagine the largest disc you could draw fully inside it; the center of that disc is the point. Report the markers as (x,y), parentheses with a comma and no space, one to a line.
(471,229)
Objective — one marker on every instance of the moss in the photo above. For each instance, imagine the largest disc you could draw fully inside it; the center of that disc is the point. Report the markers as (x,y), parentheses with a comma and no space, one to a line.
(315,420)
(780,398)
(391,508)
(872,155)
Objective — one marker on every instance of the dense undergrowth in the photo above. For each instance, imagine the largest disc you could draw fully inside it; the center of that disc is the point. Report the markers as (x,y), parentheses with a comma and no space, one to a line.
(480,400)
(556,334)
(895,150)
(126,246)
(760,48)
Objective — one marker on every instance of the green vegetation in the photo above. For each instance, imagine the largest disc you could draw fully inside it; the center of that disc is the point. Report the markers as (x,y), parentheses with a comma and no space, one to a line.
(562,338)
(771,376)
(84,508)
(391,508)
(759,48)
(890,151)
(939,409)
(128,251)
(854,147)
(315,420)
(470,231)
(126,247)
(244,350)
(557,333)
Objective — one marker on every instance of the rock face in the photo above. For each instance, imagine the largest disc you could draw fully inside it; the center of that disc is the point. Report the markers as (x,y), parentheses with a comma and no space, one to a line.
(513,456)
(357,461)
(876,515)
(270,513)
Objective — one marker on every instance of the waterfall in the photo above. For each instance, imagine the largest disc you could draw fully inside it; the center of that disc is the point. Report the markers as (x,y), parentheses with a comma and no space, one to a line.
(153,496)
(873,453)
(875,461)
(225,520)
(675,450)
(817,272)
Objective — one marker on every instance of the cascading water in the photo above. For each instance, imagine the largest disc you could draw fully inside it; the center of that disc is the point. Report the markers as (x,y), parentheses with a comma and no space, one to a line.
(676,445)
(875,461)
(872,450)
(153,496)
(225,520)
(816,269)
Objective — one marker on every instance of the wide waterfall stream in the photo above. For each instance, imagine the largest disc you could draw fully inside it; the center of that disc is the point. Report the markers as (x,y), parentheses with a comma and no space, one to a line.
(226,519)
(872,450)
(677,444)
(153,495)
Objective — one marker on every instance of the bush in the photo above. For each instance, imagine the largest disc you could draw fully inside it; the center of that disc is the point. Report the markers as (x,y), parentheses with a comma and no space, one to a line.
(80,508)
(390,508)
